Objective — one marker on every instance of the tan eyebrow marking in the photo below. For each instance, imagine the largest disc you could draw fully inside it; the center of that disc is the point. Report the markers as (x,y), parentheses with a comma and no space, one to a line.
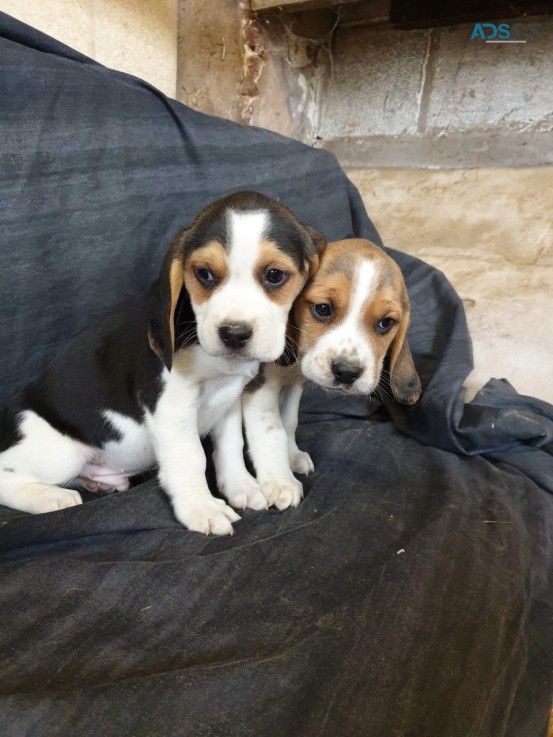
(270,255)
(333,282)
(212,256)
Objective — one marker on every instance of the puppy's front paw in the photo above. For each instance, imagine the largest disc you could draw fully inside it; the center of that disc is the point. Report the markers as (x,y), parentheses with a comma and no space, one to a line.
(282,492)
(300,462)
(243,492)
(206,515)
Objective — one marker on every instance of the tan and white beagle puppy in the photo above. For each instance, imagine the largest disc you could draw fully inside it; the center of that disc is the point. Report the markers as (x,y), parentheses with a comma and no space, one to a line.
(347,333)
(164,369)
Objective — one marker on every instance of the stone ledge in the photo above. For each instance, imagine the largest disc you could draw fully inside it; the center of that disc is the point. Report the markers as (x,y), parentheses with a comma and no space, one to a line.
(452,150)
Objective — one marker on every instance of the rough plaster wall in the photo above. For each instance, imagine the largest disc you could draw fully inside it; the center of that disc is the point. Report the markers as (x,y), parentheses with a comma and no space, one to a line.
(491,232)
(436,98)
(479,85)
(217,37)
(291,85)
(134,36)
(375,84)
(209,55)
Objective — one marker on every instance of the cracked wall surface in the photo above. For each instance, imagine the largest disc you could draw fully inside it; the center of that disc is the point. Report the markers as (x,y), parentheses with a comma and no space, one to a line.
(263,71)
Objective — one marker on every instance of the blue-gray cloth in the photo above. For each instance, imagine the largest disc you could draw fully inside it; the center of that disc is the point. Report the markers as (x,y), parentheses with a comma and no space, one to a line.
(408,596)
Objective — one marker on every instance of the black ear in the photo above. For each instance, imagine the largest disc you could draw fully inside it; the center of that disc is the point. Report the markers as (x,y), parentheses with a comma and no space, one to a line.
(317,244)
(404,380)
(166,291)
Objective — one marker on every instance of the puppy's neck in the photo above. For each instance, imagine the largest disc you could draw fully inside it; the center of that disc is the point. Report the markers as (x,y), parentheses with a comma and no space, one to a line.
(194,360)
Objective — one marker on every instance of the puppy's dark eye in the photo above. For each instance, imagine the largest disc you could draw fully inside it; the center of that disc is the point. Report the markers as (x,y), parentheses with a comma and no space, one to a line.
(322,311)
(276,277)
(385,325)
(205,276)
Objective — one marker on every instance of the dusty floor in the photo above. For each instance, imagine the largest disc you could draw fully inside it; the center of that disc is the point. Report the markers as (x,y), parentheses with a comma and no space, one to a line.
(491,232)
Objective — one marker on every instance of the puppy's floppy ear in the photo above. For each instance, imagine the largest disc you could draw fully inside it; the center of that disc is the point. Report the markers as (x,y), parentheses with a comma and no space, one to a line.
(404,380)
(166,292)
(317,244)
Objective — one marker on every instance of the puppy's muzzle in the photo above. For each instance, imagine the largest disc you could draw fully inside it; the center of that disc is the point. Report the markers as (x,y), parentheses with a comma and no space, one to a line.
(235,335)
(346,372)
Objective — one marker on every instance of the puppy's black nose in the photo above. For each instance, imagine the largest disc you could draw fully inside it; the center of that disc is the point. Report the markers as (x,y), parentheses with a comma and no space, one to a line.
(346,372)
(235,335)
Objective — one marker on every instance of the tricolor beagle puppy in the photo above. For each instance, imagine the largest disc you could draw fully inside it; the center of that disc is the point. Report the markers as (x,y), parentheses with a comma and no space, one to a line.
(166,368)
(347,333)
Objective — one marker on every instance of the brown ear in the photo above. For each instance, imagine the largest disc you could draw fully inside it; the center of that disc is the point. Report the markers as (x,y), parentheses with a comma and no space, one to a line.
(318,245)
(404,380)
(166,292)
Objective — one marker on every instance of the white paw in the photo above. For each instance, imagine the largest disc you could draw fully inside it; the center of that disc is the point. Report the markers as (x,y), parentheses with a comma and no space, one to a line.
(244,492)
(300,462)
(206,515)
(51,499)
(282,492)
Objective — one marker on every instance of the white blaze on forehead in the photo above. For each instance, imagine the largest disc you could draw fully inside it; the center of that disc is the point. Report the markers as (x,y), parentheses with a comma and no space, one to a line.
(363,287)
(349,339)
(246,231)
(241,297)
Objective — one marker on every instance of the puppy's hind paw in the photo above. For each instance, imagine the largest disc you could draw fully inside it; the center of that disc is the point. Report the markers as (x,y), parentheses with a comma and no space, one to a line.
(65,500)
(51,499)
(301,463)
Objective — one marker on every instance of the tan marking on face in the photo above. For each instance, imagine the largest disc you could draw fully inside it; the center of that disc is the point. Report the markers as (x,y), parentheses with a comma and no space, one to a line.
(176,279)
(385,303)
(333,284)
(332,288)
(390,300)
(212,256)
(271,257)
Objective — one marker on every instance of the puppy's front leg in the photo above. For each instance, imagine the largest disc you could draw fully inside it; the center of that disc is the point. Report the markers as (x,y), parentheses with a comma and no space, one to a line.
(182,467)
(268,442)
(300,461)
(233,478)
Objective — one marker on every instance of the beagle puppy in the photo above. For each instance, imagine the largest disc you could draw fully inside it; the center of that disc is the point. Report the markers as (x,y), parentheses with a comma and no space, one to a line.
(347,333)
(164,369)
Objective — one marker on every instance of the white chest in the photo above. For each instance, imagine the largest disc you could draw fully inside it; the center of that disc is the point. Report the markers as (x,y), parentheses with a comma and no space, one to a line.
(215,399)
(215,382)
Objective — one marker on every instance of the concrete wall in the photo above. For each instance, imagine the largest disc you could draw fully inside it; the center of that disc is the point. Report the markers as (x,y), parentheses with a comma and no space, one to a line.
(437,98)
(134,36)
